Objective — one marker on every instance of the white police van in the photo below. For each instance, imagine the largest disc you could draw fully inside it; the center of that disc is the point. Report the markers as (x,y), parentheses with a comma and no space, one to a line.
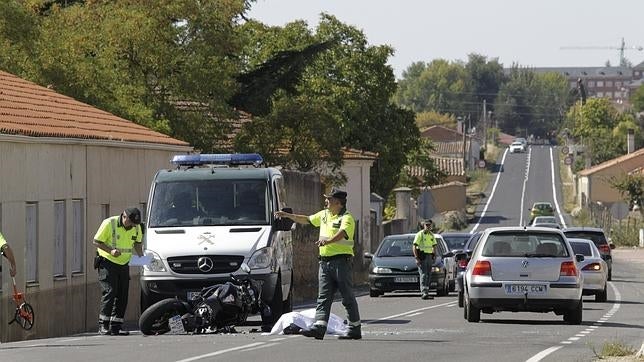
(207,217)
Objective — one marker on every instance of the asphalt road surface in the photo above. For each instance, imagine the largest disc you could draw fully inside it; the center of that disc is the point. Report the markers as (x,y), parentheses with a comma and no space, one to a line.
(401,326)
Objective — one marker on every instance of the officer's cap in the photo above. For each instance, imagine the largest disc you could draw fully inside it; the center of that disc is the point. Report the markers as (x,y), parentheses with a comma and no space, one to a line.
(337,193)
(133,214)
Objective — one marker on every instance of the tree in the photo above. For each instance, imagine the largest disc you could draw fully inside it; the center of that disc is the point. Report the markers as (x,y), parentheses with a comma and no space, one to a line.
(341,100)
(19,35)
(431,118)
(421,170)
(637,99)
(630,186)
(486,77)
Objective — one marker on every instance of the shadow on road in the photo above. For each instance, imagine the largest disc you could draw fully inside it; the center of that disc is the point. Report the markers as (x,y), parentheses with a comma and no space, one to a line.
(490,220)
(495,167)
(627,281)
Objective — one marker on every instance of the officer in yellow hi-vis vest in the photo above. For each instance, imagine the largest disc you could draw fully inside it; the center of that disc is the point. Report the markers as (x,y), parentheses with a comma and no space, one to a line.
(115,240)
(424,253)
(5,249)
(335,243)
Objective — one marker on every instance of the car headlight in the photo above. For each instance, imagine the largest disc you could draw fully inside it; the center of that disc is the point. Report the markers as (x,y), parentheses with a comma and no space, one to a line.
(436,269)
(156,264)
(261,258)
(379,270)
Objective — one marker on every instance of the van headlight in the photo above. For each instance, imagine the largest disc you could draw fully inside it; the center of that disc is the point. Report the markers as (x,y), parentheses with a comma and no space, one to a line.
(261,258)
(380,270)
(156,264)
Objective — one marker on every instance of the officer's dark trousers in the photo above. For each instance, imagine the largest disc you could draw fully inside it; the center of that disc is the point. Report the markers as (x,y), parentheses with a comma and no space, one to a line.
(425,273)
(336,274)
(115,282)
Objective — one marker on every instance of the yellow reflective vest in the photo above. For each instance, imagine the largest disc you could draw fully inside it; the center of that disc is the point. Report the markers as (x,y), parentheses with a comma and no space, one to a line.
(425,242)
(114,235)
(329,225)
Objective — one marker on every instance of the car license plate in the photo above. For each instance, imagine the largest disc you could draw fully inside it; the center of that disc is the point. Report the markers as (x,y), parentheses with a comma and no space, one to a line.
(530,289)
(406,279)
(193,295)
(176,325)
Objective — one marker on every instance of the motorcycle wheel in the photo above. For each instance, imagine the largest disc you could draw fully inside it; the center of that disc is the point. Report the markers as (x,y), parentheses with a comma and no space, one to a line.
(155,319)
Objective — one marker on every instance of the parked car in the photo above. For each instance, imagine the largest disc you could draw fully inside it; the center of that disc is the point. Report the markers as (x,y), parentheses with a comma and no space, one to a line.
(541,209)
(393,267)
(462,259)
(593,268)
(516,147)
(524,269)
(598,237)
(544,220)
(523,141)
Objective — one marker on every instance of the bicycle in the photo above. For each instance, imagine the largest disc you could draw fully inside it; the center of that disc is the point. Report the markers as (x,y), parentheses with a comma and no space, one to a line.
(24,314)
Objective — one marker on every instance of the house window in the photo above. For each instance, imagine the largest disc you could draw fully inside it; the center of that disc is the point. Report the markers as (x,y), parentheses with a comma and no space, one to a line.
(600,94)
(609,83)
(60,237)
(78,219)
(600,83)
(591,83)
(608,94)
(618,94)
(618,84)
(31,242)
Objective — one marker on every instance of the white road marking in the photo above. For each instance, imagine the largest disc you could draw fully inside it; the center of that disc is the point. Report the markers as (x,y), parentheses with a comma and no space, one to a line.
(415,314)
(554,190)
(618,297)
(216,353)
(525,183)
(487,204)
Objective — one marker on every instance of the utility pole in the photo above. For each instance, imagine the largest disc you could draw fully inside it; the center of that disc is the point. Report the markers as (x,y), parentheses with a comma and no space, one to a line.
(484,125)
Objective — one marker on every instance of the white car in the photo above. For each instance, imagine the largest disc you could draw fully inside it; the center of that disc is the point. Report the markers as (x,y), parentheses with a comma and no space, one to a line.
(517,147)
(593,268)
(524,269)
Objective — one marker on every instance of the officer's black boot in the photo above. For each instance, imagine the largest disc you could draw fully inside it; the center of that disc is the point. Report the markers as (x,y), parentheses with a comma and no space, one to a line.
(117,330)
(317,331)
(104,328)
(354,332)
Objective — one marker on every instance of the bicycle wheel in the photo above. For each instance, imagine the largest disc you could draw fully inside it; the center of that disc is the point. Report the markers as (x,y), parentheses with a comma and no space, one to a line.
(25,316)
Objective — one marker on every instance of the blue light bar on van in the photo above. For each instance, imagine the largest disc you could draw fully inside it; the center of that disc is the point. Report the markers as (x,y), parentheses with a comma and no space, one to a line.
(232,159)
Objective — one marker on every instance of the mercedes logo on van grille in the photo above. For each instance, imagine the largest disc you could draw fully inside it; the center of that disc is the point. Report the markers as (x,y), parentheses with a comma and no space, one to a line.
(524,263)
(205,264)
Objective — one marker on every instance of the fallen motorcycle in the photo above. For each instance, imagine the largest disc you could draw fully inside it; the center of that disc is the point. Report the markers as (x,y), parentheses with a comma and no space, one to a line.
(216,308)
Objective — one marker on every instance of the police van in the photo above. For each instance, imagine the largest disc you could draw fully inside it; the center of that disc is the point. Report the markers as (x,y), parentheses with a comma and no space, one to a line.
(207,217)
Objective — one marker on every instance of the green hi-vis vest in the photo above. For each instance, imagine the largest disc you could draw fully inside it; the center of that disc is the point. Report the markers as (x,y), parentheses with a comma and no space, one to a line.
(114,235)
(330,225)
(425,242)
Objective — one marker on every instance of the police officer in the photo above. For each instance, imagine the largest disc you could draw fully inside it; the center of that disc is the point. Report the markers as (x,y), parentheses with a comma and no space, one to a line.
(424,253)
(335,267)
(115,239)
(8,253)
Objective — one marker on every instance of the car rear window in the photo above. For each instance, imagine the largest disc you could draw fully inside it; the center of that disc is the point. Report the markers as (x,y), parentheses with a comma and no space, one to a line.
(456,241)
(524,244)
(581,248)
(597,237)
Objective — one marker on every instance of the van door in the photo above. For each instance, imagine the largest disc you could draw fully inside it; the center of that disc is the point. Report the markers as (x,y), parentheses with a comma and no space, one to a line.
(283,240)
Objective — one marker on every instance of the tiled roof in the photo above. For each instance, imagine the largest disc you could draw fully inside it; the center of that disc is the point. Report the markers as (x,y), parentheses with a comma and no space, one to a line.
(441,134)
(450,166)
(454,149)
(353,154)
(586,72)
(28,109)
(638,155)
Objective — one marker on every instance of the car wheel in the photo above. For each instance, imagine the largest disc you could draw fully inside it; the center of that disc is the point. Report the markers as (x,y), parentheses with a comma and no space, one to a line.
(610,273)
(574,316)
(472,313)
(288,303)
(602,296)
(443,290)
(452,286)
(460,299)
(374,293)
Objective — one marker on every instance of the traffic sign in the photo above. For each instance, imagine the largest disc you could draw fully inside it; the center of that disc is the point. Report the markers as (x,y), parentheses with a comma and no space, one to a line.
(568,160)
(481,163)
(565,150)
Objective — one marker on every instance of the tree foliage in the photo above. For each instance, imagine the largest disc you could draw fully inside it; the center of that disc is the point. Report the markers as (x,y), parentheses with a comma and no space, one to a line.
(630,187)
(531,103)
(637,99)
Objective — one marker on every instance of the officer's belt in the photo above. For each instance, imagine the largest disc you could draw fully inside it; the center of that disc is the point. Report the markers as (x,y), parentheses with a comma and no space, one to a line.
(334,257)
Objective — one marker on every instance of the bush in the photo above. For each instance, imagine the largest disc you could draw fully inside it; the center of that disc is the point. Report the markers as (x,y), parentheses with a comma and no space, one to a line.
(454,220)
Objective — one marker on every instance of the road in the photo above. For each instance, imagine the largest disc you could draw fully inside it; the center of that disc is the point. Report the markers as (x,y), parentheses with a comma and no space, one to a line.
(401,326)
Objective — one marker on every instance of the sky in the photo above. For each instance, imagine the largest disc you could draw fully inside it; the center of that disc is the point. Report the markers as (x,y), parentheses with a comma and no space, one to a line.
(530,33)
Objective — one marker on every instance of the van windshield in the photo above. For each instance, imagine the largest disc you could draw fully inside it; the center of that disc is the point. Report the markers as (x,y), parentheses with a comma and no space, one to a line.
(210,203)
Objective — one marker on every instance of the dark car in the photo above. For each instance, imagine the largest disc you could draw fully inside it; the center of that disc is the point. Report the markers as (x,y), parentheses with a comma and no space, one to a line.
(462,259)
(598,237)
(393,267)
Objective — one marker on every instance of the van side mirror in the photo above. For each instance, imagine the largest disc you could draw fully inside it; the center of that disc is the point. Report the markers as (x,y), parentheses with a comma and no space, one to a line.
(368,255)
(284,224)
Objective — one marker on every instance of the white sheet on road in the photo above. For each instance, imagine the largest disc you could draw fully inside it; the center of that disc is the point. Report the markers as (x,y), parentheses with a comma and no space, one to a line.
(305,319)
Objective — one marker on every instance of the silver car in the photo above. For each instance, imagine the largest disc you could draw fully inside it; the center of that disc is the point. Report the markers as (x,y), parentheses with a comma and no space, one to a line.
(524,269)
(593,268)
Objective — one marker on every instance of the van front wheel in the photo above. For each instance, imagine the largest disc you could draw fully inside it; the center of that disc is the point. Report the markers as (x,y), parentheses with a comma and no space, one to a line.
(276,305)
